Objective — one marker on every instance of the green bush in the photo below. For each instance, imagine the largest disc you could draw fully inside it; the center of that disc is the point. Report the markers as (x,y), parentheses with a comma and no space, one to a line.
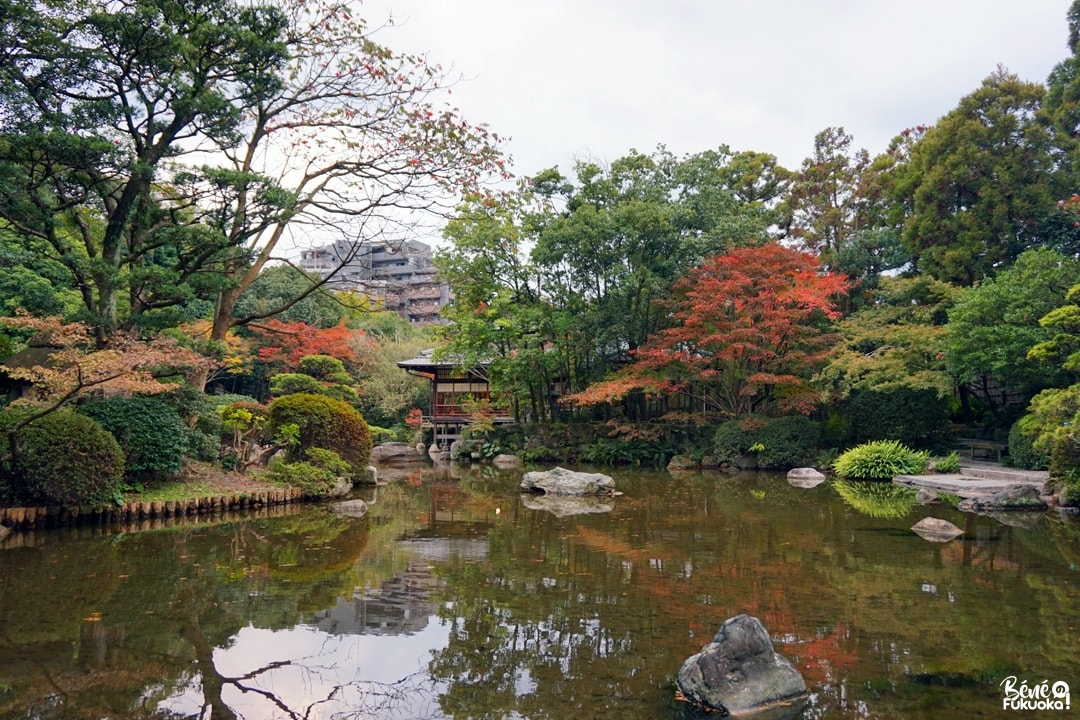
(881,460)
(734,438)
(323,422)
(916,418)
(1022,450)
(151,434)
(779,443)
(948,464)
(315,476)
(65,458)
(787,442)
(633,451)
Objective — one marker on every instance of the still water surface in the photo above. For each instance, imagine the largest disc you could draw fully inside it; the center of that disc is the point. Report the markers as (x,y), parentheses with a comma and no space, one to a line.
(453,599)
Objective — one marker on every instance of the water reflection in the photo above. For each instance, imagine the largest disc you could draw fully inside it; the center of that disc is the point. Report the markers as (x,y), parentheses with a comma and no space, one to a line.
(452,599)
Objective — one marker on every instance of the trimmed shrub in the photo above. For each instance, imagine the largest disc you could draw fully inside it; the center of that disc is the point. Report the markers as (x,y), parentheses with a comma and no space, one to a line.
(779,443)
(66,458)
(881,460)
(151,434)
(323,422)
(787,442)
(913,417)
(315,476)
(1022,451)
(734,438)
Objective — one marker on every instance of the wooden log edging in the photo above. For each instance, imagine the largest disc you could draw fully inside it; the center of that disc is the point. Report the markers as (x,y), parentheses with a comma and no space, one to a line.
(39,518)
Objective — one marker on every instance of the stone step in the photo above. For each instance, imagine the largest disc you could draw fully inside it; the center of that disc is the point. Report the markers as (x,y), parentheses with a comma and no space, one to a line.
(1005,474)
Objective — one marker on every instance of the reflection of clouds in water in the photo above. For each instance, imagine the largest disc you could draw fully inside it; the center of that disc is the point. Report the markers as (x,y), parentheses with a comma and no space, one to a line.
(301,667)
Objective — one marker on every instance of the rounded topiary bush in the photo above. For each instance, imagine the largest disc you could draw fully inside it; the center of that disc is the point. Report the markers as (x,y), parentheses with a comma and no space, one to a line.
(787,442)
(880,460)
(778,443)
(322,422)
(1022,450)
(151,433)
(66,458)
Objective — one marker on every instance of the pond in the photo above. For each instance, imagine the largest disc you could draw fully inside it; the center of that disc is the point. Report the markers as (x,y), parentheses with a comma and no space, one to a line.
(452,599)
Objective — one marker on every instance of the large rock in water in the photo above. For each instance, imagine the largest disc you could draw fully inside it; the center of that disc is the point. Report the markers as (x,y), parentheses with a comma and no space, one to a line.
(560,481)
(805,478)
(396,453)
(936,530)
(739,673)
(1015,497)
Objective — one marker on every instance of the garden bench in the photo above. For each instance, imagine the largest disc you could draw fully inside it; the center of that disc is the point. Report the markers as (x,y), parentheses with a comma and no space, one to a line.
(987,447)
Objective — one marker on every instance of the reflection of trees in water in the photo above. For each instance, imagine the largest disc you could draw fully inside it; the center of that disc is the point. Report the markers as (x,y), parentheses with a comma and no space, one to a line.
(876,498)
(409,697)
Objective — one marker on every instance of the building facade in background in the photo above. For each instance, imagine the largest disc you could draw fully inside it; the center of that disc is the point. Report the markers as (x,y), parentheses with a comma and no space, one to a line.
(399,276)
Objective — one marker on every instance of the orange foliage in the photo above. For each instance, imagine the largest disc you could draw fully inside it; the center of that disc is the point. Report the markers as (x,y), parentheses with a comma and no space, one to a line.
(71,365)
(747,332)
(286,343)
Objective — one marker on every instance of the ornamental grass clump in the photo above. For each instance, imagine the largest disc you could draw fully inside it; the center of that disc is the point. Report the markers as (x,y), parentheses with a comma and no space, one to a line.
(881,460)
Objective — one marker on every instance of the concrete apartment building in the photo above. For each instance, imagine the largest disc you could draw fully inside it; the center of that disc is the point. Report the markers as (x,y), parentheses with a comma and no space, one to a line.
(400,276)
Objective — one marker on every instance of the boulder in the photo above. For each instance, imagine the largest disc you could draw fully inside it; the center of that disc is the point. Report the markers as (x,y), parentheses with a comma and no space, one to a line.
(805,477)
(925,497)
(439,455)
(740,674)
(936,530)
(506,462)
(567,505)
(747,461)
(342,486)
(1014,497)
(396,453)
(371,476)
(350,508)
(4,531)
(560,481)
(683,462)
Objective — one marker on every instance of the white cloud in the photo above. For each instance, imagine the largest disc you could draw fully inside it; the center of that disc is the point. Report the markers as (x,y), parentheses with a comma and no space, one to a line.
(596,78)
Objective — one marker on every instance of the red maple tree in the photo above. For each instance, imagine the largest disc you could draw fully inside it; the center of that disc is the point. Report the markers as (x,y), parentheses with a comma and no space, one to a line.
(749,329)
(283,344)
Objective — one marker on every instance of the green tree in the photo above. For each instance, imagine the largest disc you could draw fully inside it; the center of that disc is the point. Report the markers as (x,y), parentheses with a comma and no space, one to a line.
(498,317)
(97,100)
(977,184)
(825,200)
(278,287)
(897,341)
(1062,107)
(136,143)
(387,392)
(994,326)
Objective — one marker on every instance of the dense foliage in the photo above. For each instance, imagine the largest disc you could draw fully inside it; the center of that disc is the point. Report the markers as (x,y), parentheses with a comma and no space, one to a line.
(322,422)
(777,443)
(155,157)
(64,458)
(151,434)
(880,460)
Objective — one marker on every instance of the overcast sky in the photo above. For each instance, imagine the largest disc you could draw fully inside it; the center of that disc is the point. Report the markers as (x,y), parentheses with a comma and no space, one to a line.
(591,79)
